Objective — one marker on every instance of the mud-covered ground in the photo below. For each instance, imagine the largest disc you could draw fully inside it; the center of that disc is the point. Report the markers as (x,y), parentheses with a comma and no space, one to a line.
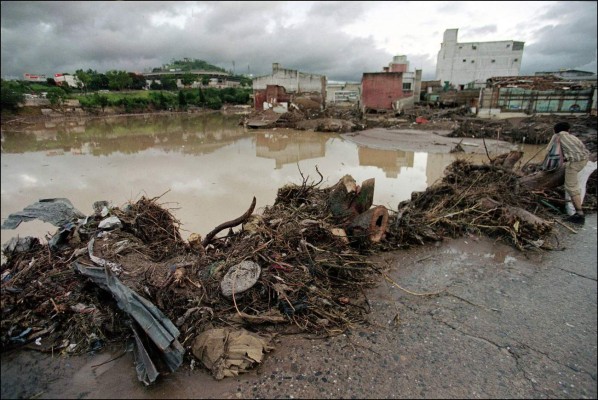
(506,324)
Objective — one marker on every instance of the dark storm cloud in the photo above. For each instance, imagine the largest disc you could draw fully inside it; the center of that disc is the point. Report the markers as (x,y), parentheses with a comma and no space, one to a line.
(570,44)
(337,11)
(479,31)
(50,37)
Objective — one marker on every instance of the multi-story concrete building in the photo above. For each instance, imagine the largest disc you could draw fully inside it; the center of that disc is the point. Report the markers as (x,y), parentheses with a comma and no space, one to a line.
(465,63)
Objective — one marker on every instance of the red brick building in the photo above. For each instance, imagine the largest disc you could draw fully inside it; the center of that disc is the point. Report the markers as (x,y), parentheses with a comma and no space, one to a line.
(395,88)
(379,90)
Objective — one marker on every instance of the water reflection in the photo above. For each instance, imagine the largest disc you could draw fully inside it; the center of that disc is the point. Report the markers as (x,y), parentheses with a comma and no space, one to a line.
(189,134)
(290,147)
(206,168)
(390,161)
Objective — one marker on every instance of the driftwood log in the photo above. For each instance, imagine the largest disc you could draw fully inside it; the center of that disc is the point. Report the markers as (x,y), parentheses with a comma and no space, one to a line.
(539,180)
(513,214)
(543,179)
(508,160)
(229,224)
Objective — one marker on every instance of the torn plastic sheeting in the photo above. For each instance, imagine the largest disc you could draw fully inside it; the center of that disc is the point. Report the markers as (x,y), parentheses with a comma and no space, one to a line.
(57,211)
(114,267)
(20,244)
(61,236)
(157,326)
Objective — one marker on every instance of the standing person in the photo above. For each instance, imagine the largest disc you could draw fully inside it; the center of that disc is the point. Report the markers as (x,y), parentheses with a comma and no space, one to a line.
(575,156)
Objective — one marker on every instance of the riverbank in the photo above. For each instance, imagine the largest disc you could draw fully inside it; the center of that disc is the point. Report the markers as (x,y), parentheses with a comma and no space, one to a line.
(32,115)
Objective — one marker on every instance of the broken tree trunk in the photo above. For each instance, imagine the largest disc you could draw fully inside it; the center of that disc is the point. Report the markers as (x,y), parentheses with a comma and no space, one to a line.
(347,199)
(370,225)
(508,160)
(543,179)
(513,214)
(365,196)
(351,206)
(341,198)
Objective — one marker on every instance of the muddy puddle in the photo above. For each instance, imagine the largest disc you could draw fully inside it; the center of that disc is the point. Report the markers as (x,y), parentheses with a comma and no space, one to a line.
(207,168)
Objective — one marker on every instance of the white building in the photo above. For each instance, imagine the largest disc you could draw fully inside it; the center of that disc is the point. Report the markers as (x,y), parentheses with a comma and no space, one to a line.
(292,80)
(69,80)
(464,63)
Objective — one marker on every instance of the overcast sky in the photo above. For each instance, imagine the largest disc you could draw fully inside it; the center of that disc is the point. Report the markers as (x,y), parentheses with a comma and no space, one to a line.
(341,40)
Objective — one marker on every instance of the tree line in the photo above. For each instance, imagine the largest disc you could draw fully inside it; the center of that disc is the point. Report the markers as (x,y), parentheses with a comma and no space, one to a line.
(163,95)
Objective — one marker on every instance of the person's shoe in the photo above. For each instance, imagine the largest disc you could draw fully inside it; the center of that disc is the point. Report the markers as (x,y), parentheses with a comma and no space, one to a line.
(576,219)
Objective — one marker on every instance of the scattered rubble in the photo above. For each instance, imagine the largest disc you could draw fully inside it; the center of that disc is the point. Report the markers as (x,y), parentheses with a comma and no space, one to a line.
(535,129)
(299,266)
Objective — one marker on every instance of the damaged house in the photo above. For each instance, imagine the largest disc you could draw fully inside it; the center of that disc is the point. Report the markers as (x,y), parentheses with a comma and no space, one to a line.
(395,88)
(284,86)
(520,96)
(343,93)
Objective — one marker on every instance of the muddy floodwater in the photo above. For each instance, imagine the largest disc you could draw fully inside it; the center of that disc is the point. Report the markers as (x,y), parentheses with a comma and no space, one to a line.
(207,168)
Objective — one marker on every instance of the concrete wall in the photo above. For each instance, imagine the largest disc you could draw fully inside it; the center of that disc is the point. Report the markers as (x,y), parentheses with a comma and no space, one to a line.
(271,97)
(292,80)
(418,85)
(404,103)
(461,63)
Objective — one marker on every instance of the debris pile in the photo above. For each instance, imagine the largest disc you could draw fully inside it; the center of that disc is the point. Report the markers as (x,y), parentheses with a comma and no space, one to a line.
(480,199)
(530,130)
(301,265)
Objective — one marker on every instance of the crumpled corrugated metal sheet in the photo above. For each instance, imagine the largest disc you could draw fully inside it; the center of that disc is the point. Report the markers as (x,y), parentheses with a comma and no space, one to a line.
(158,328)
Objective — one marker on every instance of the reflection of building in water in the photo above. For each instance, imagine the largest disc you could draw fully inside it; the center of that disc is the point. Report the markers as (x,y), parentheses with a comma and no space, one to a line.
(435,166)
(287,149)
(390,161)
(85,148)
